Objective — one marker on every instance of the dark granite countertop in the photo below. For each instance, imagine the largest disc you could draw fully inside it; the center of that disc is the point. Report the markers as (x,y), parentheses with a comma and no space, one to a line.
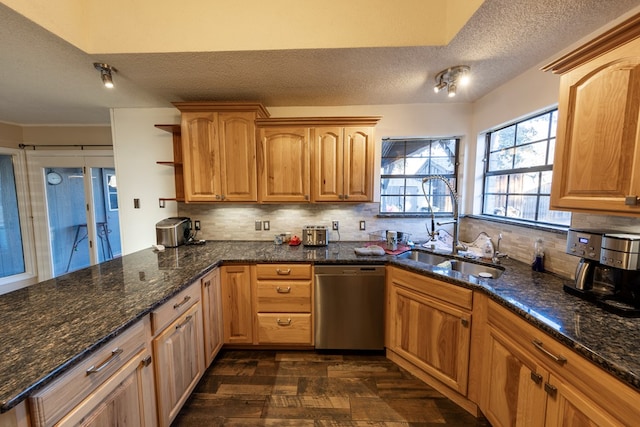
(51,326)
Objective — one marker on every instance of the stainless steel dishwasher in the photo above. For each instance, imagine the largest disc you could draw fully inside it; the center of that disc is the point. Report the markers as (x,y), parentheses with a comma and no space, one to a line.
(349,307)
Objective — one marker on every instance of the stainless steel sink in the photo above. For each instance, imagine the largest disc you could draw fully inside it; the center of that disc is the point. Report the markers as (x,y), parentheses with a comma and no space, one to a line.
(455,264)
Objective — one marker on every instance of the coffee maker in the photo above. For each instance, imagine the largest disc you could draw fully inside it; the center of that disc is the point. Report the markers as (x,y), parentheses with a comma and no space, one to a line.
(608,273)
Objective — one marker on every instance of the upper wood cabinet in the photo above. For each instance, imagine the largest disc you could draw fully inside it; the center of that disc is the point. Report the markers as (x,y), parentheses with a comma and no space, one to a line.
(343,164)
(219,151)
(316,159)
(598,137)
(284,164)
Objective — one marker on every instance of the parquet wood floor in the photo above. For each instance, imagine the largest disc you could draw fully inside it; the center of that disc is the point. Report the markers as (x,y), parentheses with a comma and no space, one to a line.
(315,389)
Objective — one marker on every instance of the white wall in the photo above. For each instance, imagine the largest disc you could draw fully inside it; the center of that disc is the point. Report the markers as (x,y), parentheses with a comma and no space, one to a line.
(137,145)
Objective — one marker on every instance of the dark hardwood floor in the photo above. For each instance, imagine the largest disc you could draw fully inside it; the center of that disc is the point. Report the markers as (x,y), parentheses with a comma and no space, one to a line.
(307,388)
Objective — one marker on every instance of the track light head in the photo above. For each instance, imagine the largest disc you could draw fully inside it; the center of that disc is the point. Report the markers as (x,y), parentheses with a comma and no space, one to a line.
(105,73)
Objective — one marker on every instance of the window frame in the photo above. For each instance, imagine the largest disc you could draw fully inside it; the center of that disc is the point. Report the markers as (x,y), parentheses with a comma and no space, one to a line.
(550,139)
(450,176)
(29,276)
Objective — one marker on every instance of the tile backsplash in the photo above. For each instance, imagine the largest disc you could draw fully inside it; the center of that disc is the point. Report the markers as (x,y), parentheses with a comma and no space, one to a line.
(237,222)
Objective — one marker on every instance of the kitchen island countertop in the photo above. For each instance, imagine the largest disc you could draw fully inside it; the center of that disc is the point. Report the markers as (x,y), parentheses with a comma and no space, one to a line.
(51,326)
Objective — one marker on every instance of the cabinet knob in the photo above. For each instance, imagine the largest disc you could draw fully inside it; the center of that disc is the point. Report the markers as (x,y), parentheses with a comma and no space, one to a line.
(464,322)
(536,377)
(631,200)
(550,389)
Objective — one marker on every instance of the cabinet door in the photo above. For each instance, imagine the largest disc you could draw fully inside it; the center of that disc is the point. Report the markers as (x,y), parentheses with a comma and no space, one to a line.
(238,156)
(201,157)
(212,315)
(284,165)
(598,146)
(327,179)
(179,362)
(358,164)
(237,310)
(127,398)
(512,393)
(568,407)
(432,335)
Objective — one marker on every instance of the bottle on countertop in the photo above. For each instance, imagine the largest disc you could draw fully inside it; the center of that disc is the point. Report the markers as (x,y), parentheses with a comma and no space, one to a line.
(488,249)
(538,256)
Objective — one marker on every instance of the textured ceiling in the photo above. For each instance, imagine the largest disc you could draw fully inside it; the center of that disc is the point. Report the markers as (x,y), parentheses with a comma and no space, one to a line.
(45,80)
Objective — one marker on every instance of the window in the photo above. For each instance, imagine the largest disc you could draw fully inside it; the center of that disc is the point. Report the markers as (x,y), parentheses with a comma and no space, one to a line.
(405,162)
(11,252)
(518,165)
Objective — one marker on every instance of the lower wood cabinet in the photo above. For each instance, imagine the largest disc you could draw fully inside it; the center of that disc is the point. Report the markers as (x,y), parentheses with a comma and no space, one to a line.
(212,315)
(530,379)
(429,325)
(114,386)
(178,350)
(237,308)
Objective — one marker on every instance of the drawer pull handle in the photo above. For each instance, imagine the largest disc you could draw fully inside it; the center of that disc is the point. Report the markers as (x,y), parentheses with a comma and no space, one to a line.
(114,354)
(283,322)
(146,361)
(181,303)
(283,290)
(536,377)
(283,272)
(560,360)
(186,320)
(207,283)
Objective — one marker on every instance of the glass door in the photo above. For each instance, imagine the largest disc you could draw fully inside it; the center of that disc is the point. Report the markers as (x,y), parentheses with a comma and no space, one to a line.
(78,224)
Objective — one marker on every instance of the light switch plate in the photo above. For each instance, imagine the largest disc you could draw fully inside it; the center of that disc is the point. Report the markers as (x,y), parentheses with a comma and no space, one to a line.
(363,225)
(266,225)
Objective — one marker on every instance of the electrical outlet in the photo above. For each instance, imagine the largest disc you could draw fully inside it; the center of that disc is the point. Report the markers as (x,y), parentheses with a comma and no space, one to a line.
(196,224)
(266,225)
(363,225)
(258,225)
(335,225)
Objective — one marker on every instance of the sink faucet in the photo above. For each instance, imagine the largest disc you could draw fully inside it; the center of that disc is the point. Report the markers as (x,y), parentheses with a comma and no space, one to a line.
(455,221)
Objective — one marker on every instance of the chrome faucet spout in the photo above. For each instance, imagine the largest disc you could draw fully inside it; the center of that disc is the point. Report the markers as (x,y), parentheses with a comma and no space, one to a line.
(455,221)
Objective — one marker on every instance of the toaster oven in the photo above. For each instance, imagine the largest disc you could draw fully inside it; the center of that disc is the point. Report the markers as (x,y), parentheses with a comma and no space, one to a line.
(315,235)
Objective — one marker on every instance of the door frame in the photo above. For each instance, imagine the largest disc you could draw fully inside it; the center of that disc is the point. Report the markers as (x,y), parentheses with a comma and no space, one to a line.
(38,160)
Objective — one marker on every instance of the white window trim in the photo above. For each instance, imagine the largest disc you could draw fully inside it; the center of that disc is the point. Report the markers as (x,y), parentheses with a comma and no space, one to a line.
(29,277)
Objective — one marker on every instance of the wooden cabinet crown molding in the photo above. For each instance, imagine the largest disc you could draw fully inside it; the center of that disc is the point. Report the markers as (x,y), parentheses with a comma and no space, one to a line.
(622,33)
(319,121)
(220,106)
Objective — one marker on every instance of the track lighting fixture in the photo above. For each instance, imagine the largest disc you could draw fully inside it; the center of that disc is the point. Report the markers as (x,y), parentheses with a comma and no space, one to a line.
(451,78)
(105,73)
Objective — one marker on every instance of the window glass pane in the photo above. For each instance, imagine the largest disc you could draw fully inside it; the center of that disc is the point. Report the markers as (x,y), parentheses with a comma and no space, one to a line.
(501,160)
(534,129)
(391,203)
(545,184)
(392,186)
(495,205)
(497,184)
(417,166)
(391,166)
(11,253)
(531,155)
(503,138)
(418,148)
(522,207)
(552,217)
(552,150)
(524,183)
(416,204)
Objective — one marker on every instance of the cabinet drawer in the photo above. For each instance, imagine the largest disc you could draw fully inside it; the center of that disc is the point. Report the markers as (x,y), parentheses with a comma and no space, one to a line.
(172,309)
(283,271)
(284,296)
(284,328)
(60,397)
